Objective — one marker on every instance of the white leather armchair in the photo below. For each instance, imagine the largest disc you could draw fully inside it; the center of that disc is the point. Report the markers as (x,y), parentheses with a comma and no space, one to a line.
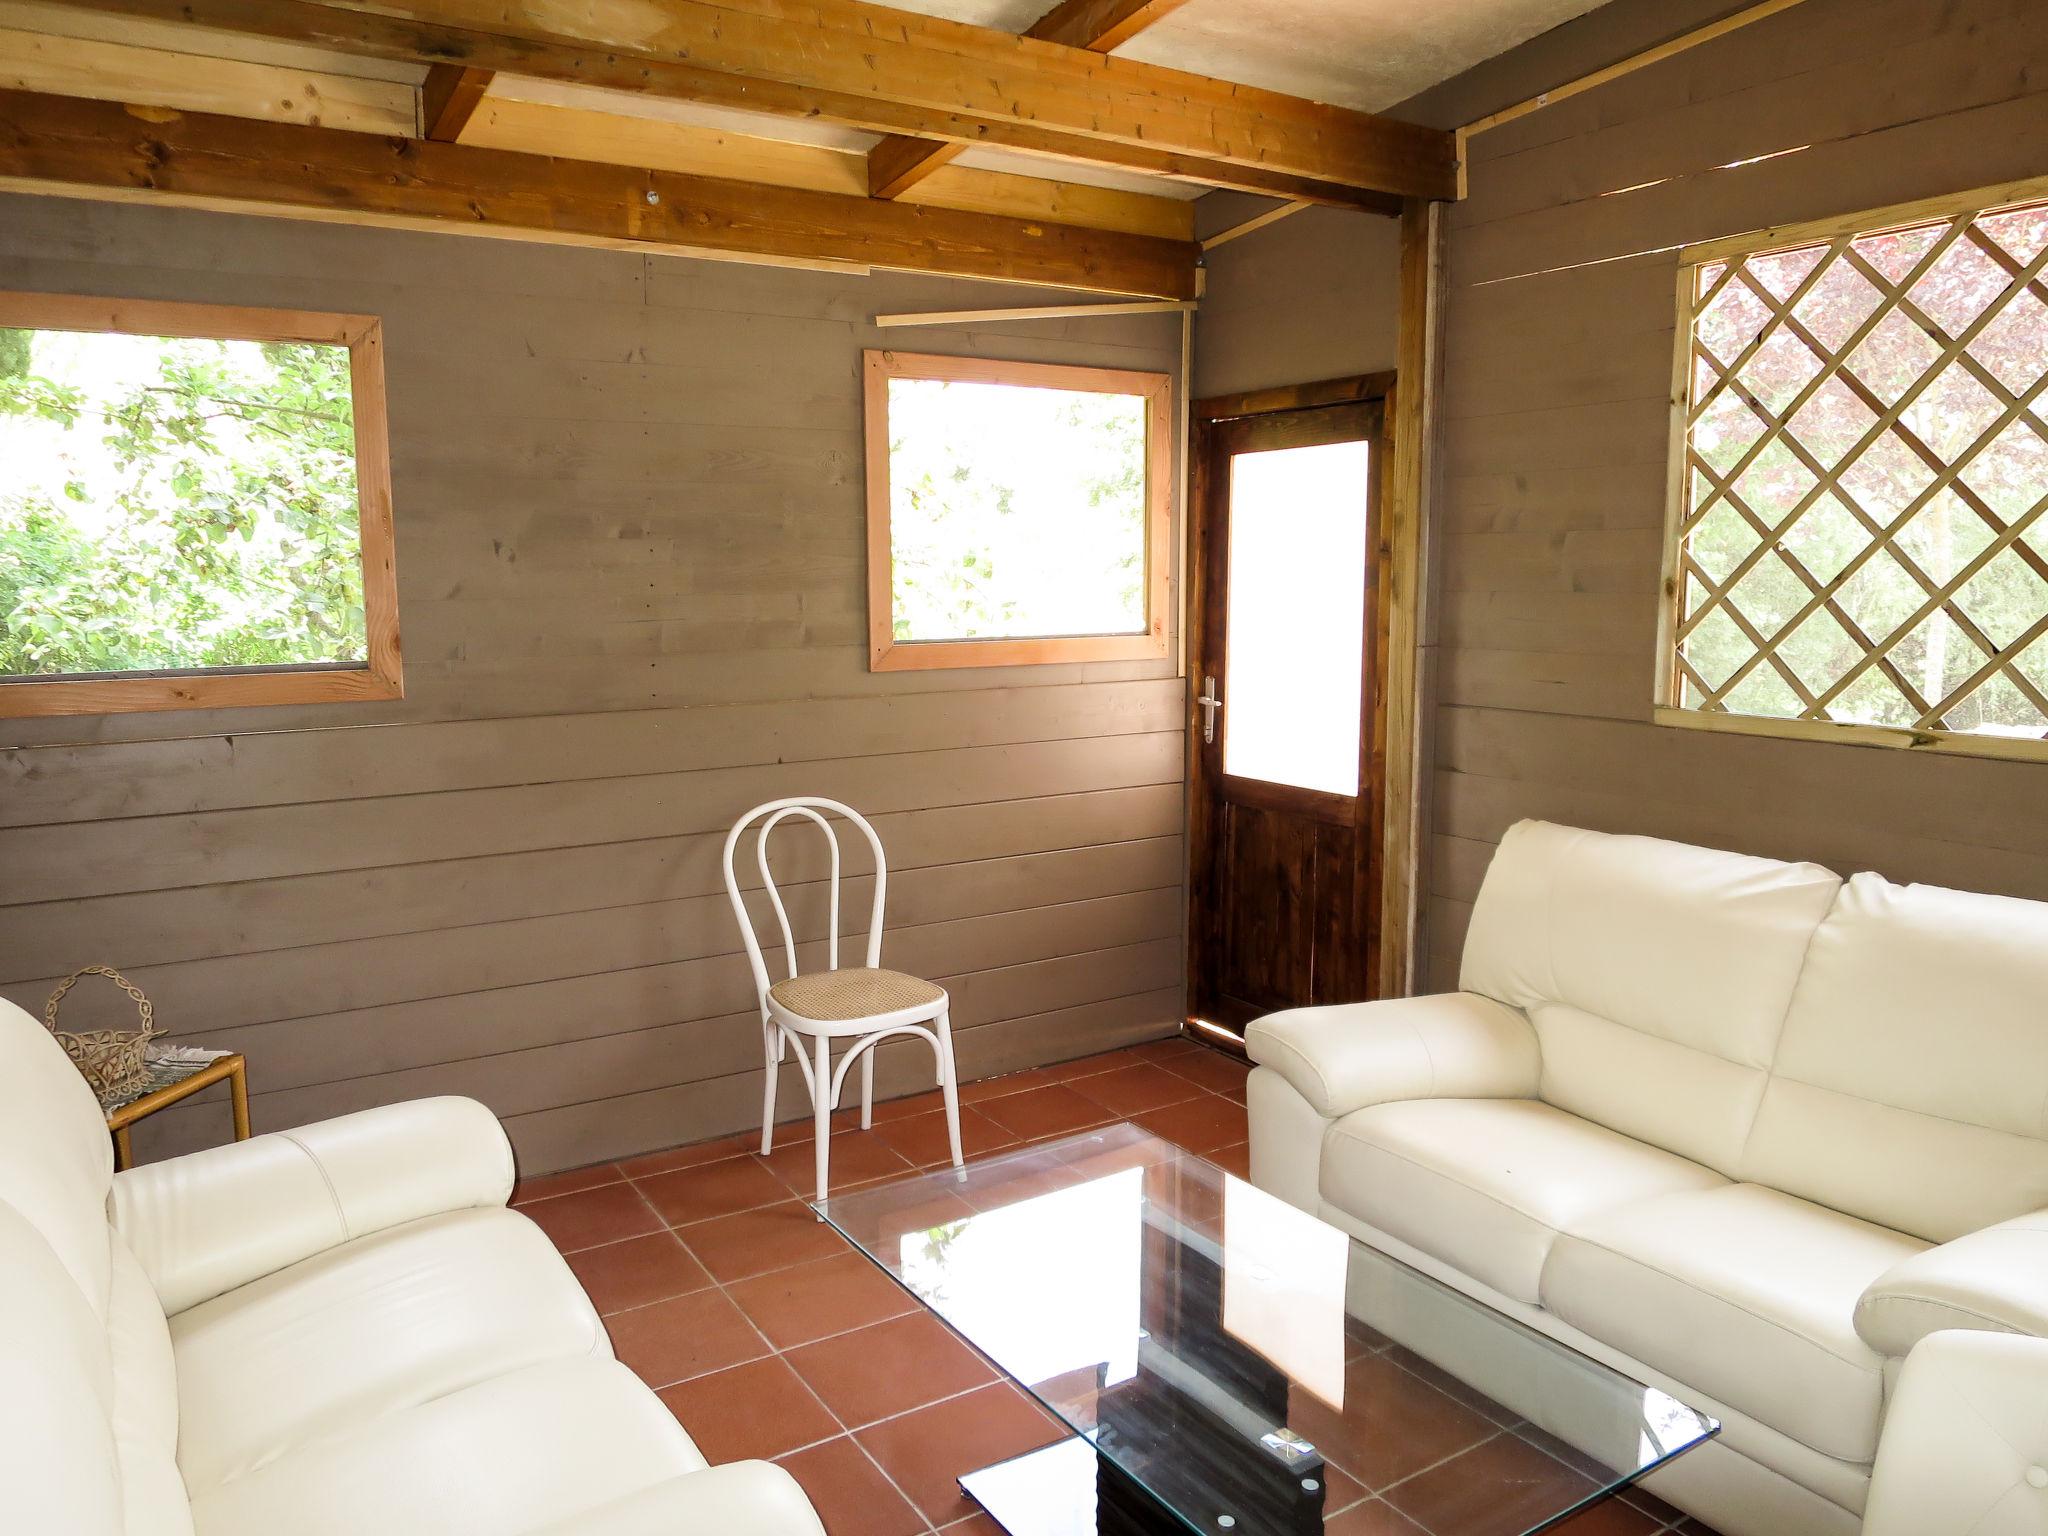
(330,1331)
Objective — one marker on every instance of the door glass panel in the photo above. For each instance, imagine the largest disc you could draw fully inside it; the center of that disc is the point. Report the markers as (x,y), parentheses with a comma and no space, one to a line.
(1295,634)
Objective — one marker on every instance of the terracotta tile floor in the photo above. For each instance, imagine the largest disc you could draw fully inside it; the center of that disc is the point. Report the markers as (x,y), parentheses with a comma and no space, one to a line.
(768,1336)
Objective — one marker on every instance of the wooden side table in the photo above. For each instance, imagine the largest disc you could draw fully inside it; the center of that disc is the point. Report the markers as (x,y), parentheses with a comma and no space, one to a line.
(233,1068)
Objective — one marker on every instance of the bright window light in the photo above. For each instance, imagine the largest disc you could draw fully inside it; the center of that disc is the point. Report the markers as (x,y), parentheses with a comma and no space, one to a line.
(1296,579)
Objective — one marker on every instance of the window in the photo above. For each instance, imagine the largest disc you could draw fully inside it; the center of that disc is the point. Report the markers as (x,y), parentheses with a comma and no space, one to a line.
(194,508)
(1860,475)
(1017,512)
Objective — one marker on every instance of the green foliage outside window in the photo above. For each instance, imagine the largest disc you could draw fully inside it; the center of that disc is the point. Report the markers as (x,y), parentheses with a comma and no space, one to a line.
(175,504)
(1925,286)
(1015,511)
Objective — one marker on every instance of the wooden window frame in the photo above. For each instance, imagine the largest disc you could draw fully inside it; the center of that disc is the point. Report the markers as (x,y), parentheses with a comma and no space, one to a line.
(381,674)
(1666,709)
(888,654)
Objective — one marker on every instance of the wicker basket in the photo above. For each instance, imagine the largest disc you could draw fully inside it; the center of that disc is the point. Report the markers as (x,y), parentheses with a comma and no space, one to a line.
(109,1059)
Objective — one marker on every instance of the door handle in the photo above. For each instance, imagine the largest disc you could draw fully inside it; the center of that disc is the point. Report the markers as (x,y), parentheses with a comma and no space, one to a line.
(1210,704)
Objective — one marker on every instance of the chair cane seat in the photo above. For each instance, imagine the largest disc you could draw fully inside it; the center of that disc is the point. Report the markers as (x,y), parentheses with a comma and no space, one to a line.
(854,992)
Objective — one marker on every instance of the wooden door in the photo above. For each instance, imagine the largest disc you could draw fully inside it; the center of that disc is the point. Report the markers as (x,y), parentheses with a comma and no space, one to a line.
(1286,804)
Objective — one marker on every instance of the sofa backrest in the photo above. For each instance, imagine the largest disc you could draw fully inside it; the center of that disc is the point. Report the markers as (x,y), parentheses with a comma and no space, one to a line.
(1657,975)
(88,1399)
(1911,1082)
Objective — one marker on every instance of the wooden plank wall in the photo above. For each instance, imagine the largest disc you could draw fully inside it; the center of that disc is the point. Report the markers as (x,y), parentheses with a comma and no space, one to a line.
(630,533)
(1311,297)
(1558,355)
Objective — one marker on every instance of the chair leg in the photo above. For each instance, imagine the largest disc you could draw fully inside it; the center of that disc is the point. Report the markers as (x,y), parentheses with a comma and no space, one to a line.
(770,1034)
(821,1101)
(867,1089)
(950,1086)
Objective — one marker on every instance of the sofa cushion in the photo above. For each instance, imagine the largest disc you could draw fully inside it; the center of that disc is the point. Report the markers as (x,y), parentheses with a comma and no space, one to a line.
(1743,1292)
(506,1456)
(1908,1086)
(1487,1184)
(1657,975)
(378,1324)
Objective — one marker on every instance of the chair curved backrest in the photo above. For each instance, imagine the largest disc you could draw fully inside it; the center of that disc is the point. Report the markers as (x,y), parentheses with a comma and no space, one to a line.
(770,815)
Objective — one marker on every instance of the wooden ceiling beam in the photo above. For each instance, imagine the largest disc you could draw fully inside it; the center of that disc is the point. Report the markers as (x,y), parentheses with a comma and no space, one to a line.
(1100,25)
(900,161)
(74,147)
(886,71)
(449,97)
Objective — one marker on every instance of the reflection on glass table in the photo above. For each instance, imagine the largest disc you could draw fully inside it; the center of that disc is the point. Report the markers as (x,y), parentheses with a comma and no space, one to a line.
(1231,1364)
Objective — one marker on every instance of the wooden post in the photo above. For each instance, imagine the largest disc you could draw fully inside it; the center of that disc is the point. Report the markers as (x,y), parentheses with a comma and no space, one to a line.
(1404,583)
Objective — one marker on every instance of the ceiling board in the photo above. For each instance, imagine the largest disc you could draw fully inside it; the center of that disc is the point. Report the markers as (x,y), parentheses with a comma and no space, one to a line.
(816,131)
(1018,163)
(1365,54)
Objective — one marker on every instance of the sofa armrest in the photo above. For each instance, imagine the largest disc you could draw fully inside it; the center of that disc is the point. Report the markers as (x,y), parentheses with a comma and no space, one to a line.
(1965,1447)
(210,1221)
(1996,1280)
(741,1498)
(1455,1045)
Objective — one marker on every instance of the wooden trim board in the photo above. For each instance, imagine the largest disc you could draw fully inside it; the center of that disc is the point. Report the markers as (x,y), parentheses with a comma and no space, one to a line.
(1404,572)
(1656,54)
(1296,397)
(885,652)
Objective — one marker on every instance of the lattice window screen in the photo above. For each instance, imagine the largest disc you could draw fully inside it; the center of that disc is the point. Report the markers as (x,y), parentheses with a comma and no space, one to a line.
(1860,534)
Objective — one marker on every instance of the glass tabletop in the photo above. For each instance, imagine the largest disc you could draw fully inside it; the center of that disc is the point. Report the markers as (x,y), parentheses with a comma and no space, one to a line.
(1236,1365)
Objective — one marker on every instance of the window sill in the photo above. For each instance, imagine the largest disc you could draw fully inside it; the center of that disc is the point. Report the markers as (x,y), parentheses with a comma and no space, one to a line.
(929,655)
(28,698)
(1946,743)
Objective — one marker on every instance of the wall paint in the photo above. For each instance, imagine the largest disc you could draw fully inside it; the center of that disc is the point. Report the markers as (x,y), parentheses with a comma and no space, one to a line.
(630,528)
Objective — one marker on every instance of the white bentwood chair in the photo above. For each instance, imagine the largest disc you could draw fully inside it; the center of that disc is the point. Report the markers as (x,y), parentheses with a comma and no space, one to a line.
(864,1004)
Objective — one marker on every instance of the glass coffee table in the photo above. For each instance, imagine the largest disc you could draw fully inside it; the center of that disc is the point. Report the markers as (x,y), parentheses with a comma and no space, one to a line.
(1229,1364)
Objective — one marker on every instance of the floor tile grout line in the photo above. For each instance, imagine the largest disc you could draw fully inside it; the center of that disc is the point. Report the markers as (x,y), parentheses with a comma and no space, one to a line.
(723,1286)
(852,1432)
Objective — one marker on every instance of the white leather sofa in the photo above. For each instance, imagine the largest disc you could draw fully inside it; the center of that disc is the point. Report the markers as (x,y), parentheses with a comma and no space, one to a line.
(1740,1128)
(333,1331)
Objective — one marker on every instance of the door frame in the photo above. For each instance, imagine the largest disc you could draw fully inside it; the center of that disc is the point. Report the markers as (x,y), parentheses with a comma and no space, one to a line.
(1207,416)
(1407,497)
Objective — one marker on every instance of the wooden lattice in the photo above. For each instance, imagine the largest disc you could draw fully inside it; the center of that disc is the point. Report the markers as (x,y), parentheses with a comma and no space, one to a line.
(1859,534)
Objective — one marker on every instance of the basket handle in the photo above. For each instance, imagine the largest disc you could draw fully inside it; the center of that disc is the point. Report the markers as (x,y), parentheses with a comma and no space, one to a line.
(142,1004)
